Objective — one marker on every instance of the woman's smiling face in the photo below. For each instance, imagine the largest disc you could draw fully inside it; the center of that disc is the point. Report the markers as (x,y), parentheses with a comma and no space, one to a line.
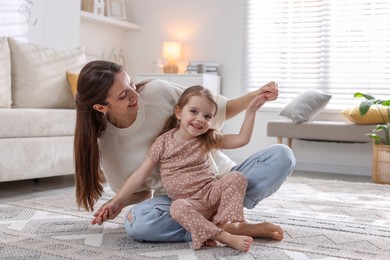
(122,101)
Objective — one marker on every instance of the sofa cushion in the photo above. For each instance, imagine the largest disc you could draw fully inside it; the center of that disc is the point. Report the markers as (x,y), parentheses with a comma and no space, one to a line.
(39,75)
(23,122)
(72,78)
(374,115)
(5,74)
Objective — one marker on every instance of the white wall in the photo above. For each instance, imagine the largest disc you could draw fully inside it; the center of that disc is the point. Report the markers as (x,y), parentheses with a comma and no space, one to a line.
(209,30)
(103,41)
(58,23)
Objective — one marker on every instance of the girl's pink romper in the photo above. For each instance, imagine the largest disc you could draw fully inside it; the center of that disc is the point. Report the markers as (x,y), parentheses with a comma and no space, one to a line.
(202,204)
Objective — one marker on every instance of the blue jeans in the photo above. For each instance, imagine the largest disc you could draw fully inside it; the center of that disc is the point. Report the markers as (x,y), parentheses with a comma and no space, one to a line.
(265,170)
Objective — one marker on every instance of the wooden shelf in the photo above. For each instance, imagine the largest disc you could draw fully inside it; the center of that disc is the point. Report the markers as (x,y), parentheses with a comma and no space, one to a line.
(213,82)
(98,19)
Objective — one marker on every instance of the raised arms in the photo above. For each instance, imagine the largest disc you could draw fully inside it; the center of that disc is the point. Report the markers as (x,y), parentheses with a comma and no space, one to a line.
(237,105)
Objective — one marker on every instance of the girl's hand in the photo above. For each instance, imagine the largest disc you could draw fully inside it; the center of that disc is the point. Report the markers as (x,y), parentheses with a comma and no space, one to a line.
(271,90)
(257,102)
(109,210)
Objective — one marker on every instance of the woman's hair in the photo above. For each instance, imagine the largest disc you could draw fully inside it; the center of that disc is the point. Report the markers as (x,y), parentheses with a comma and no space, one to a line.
(95,80)
(212,139)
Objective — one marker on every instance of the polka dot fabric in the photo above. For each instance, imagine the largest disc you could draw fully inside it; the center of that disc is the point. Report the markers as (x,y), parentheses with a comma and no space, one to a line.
(184,169)
(201,202)
(219,202)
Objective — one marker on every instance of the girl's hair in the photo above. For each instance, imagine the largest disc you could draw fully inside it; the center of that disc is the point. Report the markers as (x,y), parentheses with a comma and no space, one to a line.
(95,80)
(212,139)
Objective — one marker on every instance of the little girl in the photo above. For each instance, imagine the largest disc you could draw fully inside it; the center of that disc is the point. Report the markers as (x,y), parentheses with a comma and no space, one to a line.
(201,203)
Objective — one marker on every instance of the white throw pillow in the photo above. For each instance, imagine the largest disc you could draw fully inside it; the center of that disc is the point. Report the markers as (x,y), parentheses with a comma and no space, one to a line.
(5,74)
(306,105)
(39,75)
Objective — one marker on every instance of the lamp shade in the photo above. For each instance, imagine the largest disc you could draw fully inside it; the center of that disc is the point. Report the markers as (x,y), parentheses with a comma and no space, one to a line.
(171,50)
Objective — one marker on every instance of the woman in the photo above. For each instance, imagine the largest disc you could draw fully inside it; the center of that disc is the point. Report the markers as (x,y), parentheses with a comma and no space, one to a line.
(116,123)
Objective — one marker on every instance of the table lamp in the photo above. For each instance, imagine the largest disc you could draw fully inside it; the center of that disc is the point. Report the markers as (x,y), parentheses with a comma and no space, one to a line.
(171,52)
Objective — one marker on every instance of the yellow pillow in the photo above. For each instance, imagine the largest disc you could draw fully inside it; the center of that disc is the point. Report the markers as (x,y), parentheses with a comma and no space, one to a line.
(72,78)
(372,117)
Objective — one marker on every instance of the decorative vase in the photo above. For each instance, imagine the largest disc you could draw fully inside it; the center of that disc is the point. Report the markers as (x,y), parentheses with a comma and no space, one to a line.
(381,164)
(98,7)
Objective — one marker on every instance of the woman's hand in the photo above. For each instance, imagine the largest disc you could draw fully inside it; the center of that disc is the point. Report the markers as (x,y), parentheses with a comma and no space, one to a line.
(109,210)
(270,90)
(237,105)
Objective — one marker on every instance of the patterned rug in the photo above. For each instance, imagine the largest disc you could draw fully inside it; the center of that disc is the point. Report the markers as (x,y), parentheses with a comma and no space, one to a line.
(322,220)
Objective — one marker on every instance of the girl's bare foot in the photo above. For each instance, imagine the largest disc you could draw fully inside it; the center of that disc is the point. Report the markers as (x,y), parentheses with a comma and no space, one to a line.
(241,243)
(210,243)
(264,230)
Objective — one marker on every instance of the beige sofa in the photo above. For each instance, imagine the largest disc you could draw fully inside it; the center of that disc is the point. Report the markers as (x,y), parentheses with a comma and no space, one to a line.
(37,115)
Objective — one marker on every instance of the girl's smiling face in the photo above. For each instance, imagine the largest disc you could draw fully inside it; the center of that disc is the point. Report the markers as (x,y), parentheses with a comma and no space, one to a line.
(195,117)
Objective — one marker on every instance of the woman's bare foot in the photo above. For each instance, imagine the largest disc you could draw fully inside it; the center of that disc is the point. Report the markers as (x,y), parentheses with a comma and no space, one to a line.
(241,243)
(264,230)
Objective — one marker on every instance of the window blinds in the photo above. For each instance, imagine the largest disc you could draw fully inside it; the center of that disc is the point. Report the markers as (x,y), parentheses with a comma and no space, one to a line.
(337,46)
(14,18)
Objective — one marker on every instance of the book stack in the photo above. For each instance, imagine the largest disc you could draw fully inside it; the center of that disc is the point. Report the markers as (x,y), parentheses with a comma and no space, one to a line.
(199,67)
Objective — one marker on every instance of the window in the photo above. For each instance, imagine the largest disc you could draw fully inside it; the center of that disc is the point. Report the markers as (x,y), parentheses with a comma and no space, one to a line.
(338,46)
(15,17)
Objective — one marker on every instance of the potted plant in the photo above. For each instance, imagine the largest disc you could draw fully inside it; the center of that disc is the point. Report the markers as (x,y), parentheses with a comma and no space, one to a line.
(380,135)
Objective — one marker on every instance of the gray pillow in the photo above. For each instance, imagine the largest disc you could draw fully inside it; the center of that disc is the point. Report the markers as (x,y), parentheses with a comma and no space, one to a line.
(306,105)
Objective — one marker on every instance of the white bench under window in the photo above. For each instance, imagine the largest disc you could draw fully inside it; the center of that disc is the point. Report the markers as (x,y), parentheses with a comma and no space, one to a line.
(328,131)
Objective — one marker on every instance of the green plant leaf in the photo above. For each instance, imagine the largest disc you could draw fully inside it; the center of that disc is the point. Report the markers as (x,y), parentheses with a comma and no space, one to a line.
(364,107)
(359,95)
(373,135)
(379,128)
(377,139)
(385,103)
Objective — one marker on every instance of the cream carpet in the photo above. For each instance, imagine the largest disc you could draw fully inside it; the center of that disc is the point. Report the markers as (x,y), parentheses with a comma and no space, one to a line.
(322,220)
